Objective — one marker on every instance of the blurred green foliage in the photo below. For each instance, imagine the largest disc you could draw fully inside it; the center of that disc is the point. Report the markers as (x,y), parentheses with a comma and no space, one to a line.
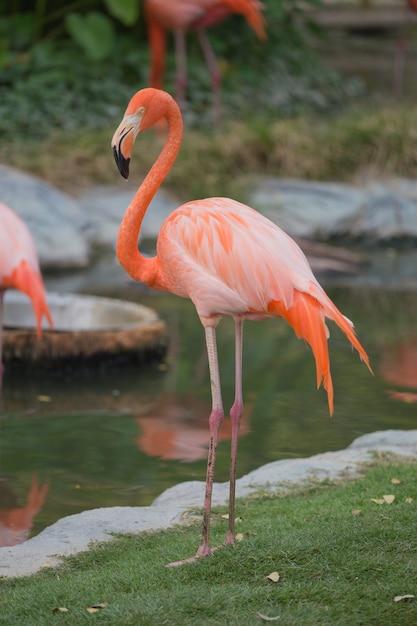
(75,65)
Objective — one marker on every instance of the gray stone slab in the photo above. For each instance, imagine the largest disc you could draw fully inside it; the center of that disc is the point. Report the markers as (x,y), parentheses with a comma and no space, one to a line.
(107,204)
(66,229)
(55,219)
(307,209)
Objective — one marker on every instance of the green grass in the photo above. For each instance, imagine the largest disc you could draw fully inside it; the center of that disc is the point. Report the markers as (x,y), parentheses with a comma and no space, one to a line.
(336,567)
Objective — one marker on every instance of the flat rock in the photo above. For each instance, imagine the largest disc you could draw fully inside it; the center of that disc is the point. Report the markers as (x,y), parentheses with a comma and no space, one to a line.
(375,212)
(56,221)
(67,229)
(106,206)
(307,209)
(386,215)
(75,533)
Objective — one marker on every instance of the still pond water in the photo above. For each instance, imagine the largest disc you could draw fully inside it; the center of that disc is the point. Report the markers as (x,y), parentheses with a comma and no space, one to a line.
(78,442)
(122,437)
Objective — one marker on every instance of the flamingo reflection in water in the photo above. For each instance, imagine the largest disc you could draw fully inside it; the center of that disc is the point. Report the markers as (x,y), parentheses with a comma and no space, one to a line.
(16,521)
(175,428)
(399,367)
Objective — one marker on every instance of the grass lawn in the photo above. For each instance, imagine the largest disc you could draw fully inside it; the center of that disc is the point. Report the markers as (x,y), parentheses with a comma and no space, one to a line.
(341,557)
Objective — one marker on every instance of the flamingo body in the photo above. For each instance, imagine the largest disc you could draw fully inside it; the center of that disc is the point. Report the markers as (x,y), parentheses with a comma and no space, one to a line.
(19,267)
(229,260)
(180,16)
(172,15)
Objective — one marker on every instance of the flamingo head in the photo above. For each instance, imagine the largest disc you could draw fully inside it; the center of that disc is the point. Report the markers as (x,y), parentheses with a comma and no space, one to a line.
(145,109)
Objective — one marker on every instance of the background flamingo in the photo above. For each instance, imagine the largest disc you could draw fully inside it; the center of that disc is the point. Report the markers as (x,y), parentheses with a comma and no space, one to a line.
(19,268)
(229,260)
(179,16)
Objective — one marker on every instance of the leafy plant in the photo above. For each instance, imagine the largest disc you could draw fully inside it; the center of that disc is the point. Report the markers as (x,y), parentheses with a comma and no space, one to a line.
(93,32)
(66,66)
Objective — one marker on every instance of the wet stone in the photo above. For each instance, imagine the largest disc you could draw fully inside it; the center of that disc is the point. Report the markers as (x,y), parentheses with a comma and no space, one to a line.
(69,230)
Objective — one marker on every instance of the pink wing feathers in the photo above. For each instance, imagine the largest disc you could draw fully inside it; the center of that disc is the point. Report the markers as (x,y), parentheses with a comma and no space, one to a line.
(231,260)
(228,242)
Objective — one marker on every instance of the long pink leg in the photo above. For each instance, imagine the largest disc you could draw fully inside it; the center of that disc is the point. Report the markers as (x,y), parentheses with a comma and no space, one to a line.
(235,416)
(215,75)
(181,67)
(215,421)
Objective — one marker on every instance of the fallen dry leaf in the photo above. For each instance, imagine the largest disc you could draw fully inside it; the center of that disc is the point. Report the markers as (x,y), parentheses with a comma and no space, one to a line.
(409,500)
(94,608)
(389,499)
(239,537)
(44,398)
(265,618)
(378,500)
(60,609)
(274,576)
(356,512)
(395,481)
(226,516)
(408,596)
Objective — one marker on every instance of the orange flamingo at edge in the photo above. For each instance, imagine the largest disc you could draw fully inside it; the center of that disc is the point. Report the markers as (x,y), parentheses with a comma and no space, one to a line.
(179,16)
(229,260)
(19,268)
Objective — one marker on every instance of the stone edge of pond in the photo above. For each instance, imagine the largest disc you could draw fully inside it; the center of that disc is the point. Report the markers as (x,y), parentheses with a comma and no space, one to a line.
(74,533)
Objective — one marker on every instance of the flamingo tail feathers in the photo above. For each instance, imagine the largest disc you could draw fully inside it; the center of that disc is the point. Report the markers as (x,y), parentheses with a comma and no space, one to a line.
(307,317)
(26,279)
(252,11)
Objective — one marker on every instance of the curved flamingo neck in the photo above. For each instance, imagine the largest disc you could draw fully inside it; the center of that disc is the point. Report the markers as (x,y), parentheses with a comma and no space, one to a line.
(140,268)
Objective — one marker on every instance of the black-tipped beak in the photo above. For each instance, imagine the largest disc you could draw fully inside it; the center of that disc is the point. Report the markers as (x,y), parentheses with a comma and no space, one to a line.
(121,162)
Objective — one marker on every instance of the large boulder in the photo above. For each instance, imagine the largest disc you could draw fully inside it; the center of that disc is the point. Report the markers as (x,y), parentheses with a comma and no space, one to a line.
(375,212)
(57,222)
(106,206)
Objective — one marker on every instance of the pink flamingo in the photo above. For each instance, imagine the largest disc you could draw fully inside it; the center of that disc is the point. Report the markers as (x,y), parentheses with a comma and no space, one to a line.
(180,16)
(229,260)
(19,268)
